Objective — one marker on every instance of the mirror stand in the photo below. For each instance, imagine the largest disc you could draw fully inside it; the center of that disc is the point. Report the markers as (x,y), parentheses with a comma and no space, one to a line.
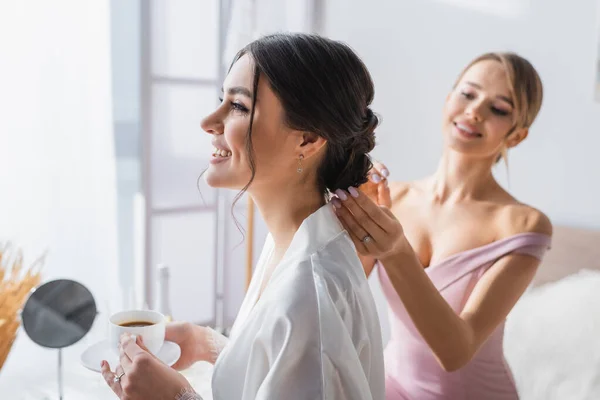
(60,375)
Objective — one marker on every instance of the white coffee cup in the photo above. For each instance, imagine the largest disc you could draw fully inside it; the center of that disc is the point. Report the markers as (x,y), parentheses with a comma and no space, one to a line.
(152,334)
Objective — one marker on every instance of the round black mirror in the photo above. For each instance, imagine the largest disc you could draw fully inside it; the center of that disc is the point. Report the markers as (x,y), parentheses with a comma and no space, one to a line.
(59,313)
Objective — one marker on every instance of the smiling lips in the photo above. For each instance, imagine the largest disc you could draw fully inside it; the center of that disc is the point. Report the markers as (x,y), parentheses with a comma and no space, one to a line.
(221,153)
(467,130)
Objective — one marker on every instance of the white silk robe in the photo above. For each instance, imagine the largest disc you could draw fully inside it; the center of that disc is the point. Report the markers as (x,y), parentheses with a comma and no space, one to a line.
(313,333)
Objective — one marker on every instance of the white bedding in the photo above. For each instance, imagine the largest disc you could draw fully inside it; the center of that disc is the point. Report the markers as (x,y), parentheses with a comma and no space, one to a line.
(552,340)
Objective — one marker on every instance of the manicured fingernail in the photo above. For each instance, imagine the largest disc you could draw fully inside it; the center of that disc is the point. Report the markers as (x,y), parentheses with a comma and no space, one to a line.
(340,193)
(353,192)
(102,364)
(375,178)
(385,172)
(126,337)
(336,202)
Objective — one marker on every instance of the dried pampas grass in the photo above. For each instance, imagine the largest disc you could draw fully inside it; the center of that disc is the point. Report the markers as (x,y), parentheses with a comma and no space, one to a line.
(16,282)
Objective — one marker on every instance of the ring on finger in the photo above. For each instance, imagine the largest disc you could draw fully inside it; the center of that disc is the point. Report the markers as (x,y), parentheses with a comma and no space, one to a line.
(367,239)
(117,378)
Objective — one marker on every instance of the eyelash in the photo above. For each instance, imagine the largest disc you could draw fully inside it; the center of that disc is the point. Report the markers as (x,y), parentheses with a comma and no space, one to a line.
(499,112)
(495,110)
(467,96)
(236,106)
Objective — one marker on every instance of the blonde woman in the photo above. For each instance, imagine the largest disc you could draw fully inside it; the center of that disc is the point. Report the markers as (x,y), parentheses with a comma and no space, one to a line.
(455,251)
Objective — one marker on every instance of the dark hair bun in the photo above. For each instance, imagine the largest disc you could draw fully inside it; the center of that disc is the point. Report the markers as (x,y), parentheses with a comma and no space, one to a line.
(355,157)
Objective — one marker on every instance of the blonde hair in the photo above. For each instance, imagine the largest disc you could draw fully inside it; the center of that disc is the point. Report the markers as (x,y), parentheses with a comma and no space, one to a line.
(524,83)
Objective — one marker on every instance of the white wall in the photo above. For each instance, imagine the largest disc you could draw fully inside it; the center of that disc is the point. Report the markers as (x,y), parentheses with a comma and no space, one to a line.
(416,48)
(57,160)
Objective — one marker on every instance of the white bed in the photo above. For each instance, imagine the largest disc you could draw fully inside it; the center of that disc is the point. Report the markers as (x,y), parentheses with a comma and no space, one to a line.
(552,335)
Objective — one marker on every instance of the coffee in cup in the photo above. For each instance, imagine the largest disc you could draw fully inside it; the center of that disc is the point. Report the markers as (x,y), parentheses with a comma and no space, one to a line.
(150,325)
(135,324)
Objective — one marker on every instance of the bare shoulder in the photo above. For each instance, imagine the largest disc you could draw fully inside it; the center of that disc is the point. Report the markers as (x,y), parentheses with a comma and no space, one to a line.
(521,218)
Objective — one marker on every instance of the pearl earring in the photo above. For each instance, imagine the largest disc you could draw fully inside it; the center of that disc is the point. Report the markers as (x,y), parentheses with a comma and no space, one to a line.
(300,169)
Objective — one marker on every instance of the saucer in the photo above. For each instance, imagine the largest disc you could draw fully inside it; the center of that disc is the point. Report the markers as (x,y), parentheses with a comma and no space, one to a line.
(91,358)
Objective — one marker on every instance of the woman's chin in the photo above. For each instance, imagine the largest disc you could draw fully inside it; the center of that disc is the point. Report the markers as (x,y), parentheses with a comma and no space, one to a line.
(213,179)
(218,180)
(459,145)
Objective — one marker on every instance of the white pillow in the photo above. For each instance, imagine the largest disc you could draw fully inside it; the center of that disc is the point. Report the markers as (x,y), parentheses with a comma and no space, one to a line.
(552,339)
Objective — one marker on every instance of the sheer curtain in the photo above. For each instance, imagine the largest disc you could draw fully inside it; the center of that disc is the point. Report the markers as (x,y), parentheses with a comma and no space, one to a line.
(57,165)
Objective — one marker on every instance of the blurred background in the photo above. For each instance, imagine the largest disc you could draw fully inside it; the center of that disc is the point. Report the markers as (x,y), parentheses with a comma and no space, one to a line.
(101,147)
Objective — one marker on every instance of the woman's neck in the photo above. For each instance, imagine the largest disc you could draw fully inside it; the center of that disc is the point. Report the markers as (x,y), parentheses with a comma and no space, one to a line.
(285,210)
(460,177)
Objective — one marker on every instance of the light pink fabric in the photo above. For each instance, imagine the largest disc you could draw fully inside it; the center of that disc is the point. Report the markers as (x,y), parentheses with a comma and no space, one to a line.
(412,372)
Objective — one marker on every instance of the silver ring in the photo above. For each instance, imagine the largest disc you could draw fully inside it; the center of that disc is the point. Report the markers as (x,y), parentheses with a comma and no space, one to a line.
(117,378)
(367,239)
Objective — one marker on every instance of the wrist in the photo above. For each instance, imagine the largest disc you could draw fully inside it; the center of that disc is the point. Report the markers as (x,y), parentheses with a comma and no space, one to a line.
(187,393)
(400,255)
(209,344)
(201,343)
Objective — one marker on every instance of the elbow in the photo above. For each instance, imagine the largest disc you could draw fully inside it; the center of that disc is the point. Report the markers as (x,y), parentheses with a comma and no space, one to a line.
(458,356)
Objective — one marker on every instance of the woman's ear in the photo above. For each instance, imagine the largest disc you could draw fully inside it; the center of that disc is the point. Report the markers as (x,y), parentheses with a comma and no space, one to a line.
(309,143)
(516,137)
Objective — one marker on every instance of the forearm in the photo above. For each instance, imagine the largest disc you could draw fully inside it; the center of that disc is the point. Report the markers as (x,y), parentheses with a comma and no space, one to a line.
(446,333)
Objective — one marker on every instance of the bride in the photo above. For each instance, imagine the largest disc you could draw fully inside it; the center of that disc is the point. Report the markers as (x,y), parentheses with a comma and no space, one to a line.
(293,126)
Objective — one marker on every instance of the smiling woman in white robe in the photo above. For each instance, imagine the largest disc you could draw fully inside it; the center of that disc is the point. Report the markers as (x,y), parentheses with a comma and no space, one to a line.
(294,125)
(314,332)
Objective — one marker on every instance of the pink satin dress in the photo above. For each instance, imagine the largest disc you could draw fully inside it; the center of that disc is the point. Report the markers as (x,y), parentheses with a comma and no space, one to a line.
(412,372)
